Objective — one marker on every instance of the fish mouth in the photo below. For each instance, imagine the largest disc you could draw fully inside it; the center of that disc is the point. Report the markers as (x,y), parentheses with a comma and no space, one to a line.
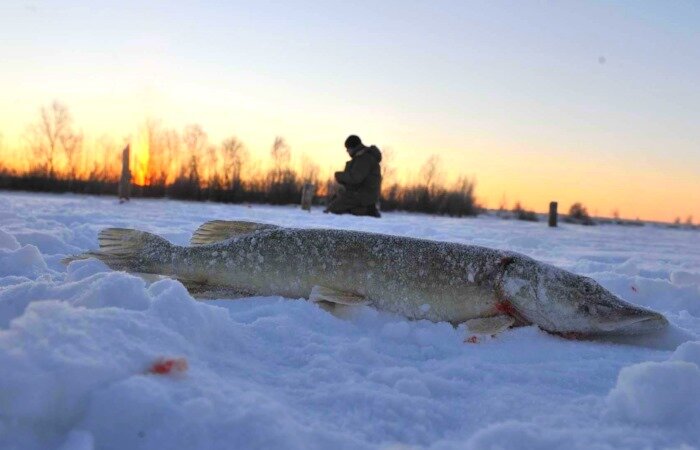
(639,324)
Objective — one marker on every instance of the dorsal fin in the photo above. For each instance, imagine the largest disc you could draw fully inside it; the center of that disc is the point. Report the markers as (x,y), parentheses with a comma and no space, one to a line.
(220,230)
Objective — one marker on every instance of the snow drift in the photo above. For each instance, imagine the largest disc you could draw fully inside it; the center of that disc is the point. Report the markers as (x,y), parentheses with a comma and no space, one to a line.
(78,346)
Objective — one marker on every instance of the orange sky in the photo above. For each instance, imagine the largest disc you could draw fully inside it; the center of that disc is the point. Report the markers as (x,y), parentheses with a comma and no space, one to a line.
(588,102)
(652,189)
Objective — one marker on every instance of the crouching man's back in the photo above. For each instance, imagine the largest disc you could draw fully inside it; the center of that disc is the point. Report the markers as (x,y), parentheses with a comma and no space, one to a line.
(360,182)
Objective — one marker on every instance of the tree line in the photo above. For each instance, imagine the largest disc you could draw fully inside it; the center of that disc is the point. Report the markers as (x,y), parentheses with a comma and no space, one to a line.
(185,164)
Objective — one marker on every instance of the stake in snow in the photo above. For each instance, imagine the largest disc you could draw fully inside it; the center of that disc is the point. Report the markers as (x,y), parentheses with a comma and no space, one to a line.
(488,289)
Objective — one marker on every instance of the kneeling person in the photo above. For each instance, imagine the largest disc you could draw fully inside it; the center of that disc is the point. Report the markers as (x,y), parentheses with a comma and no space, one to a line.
(360,182)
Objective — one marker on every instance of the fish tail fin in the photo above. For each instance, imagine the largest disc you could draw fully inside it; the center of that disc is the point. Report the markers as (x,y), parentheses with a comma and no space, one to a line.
(127,249)
(69,259)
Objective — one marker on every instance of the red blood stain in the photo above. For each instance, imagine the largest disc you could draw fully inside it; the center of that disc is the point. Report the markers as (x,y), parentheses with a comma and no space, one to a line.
(634,289)
(472,340)
(504,307)
(164,366)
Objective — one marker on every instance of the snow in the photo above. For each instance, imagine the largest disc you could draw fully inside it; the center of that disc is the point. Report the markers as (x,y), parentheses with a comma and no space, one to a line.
(657,393)
(77,345)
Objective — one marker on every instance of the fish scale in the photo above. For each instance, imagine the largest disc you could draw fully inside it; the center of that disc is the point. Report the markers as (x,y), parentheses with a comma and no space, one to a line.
(417,278)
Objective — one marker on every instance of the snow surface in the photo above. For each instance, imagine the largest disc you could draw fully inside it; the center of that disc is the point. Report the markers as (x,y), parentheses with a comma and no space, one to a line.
(76,345)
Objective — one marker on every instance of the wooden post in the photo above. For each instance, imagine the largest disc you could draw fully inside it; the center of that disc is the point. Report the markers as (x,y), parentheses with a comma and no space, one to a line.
(125,180)
(552,214)
(307,195)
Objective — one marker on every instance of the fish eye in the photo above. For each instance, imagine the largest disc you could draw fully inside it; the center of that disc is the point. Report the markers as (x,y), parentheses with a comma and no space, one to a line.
(586,308)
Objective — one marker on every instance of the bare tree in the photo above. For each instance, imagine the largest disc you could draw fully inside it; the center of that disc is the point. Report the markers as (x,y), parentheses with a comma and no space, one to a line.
(53,134)
(235,156)
(460,200)
(466,186)
(172,146)
(388,169)
(504,203)
(282,182)
(195,140)
(280,154)
(309,169)
(430,172)
(157,166)
(211,166)
(579,214)
(104,162)
(72,145)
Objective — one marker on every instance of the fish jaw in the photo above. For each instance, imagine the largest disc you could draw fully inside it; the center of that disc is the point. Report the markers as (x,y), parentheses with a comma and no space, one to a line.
(562,302)
(640,321)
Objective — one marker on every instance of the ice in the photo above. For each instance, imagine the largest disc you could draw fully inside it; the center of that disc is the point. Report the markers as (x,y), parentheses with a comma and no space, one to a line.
(47,243)
(682,277)
(658,393)
(8,241)
(688,351)
(25,261)
(77,342)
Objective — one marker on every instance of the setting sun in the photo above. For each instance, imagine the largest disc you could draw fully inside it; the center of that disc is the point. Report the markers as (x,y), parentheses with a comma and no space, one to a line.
(584,110)
(371,224)
(140,155)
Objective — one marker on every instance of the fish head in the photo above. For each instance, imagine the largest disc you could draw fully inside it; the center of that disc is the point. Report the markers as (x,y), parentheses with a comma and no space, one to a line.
(559,301)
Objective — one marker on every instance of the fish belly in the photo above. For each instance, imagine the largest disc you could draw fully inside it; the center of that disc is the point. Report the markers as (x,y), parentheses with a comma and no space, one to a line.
(414,278)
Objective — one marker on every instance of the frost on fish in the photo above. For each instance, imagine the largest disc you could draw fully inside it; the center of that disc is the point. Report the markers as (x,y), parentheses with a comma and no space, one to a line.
(417,278)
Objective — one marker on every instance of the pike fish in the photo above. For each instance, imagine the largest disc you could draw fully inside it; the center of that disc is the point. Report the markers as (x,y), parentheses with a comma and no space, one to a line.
(490,290)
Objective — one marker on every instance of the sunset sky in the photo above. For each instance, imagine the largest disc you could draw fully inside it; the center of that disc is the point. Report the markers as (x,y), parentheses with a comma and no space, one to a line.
(597,102)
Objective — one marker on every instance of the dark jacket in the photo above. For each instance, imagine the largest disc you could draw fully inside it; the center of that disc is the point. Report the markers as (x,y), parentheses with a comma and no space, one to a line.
(362,175)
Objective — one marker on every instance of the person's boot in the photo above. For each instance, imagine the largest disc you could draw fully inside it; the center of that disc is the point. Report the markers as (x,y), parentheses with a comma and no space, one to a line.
(359,211)
(370,211)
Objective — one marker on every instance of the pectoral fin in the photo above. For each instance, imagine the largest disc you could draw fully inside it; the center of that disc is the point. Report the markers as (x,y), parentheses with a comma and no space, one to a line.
(220,230)
(490,325)
(326,294)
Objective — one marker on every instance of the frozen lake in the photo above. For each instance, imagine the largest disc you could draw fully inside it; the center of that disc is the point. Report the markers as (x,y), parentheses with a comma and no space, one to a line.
(76,345)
